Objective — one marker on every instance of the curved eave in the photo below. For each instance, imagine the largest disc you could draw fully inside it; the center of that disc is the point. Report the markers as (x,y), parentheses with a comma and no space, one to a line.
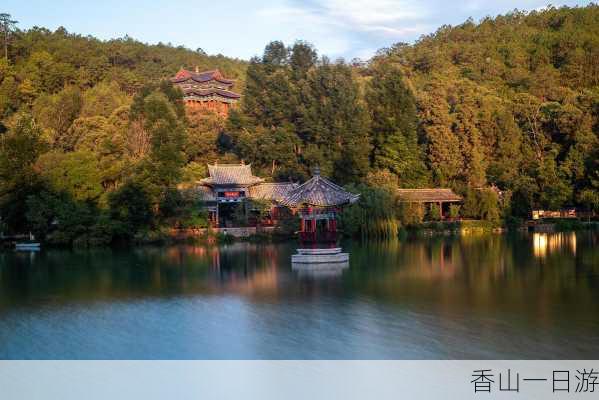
(319,192)
(210,92)
(201,80)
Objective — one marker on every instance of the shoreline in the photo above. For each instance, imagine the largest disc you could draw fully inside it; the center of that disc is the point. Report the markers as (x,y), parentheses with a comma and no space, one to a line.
(219,236)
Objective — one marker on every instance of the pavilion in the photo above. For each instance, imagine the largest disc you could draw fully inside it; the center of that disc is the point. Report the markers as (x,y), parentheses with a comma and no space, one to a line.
(441,197)
(318,201)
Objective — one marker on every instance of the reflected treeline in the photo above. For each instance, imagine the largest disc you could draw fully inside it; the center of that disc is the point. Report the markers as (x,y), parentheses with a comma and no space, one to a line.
(552,277)
(542,273)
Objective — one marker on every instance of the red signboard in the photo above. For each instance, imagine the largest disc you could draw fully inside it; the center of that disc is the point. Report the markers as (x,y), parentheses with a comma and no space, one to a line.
(231,194)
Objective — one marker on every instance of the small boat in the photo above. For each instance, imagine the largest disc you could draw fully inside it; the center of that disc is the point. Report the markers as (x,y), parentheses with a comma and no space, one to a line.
(30,245)
(27,246)
(320,256)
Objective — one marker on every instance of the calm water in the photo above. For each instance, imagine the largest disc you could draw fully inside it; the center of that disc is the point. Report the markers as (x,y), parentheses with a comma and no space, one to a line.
(492,297)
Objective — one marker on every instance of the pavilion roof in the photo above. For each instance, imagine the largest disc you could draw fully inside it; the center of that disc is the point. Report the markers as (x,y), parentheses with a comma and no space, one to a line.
(428,195)
(231,174)
(320,192)
(200,77)
(208,92)
(272,191)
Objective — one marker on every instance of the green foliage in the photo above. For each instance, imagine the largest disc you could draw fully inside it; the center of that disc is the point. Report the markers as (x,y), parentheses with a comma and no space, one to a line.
(510,101)
(61,220)
(19,149)
(373,215)
(131,206)
(411,214)
(434,212)
(297,114)
(483,204)
(454,211)
(197,219)
(392,107)
(161,170)
(76,173)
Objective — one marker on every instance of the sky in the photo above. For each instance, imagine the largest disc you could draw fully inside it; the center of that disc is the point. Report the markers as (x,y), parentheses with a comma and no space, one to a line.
(241,29)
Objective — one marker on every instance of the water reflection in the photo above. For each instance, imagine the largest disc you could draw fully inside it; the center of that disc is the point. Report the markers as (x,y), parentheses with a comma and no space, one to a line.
(545,243)
(520,296)
(320,270)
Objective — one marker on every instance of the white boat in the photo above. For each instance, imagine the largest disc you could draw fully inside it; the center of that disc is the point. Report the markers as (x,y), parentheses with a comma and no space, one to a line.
(320,256)
(31,245)
(27,246)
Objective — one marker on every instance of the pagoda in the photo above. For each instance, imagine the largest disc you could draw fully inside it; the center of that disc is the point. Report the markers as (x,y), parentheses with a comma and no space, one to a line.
(207,90)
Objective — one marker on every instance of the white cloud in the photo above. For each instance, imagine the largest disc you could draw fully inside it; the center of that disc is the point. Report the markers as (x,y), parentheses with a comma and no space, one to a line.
(353,27)
(363,14)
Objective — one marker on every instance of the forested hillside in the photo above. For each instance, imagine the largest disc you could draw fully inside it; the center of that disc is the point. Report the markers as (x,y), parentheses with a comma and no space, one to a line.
(512,101)
(87,127)
(93,145)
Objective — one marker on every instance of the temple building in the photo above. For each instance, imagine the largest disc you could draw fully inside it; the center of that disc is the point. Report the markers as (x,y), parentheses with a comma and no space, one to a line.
(230,185)
(317,201)
(207,90)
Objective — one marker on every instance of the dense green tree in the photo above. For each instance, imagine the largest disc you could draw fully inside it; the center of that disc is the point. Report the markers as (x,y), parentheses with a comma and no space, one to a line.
(131,206)
(56,113)
(76,173)
(162,168)
(392,109)
(275,53)
(20,148)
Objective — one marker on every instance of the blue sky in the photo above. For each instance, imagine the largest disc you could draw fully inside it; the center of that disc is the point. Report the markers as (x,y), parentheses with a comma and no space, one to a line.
(236,28)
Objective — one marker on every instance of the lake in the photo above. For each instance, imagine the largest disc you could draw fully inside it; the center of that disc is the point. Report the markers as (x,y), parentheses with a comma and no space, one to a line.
(531,296)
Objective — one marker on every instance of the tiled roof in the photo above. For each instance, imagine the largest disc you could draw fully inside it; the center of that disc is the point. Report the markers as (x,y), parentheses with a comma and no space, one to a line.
(427,195)
(272,191)
(200,77)
(231,174)
(208,92)
(205,193)
(320,192)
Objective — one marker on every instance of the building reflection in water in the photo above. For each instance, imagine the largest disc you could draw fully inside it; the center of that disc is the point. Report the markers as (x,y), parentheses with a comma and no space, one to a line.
(320,270)
(547,243)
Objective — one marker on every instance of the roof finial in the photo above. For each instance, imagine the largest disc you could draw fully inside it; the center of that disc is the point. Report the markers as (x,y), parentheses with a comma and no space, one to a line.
(316,171)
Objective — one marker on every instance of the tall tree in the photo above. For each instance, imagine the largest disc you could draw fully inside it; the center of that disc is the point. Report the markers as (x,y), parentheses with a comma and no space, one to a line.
(392,109)
(20,147)
(161,170)
(8,26)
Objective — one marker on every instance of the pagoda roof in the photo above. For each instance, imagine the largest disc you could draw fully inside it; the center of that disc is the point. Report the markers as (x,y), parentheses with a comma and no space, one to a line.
(428,195)
(320,192)
(200,77)
(208,92)
(231,174)
(272,191)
